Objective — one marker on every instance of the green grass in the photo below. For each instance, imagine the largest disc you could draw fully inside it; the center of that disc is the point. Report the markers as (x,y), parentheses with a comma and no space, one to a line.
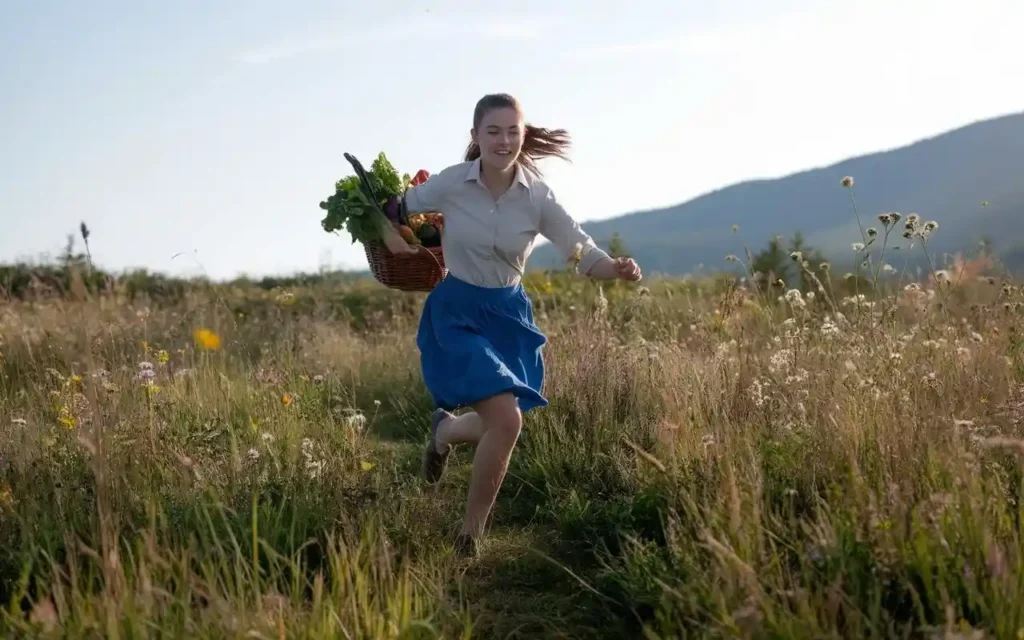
(713,463)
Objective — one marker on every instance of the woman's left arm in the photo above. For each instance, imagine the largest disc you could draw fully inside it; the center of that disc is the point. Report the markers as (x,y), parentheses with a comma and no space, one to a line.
(566,234)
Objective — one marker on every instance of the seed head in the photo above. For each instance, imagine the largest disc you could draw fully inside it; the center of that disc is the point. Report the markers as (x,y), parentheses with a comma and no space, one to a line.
(847,182)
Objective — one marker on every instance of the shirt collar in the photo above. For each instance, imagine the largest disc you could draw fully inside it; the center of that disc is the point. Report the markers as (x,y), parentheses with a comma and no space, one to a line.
(473,174)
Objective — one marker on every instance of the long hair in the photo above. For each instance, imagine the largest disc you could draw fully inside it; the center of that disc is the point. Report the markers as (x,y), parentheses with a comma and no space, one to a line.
(538,142)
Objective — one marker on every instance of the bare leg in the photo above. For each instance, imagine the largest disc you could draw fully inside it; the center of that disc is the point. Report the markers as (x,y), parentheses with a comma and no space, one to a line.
(467,428)
(501,421)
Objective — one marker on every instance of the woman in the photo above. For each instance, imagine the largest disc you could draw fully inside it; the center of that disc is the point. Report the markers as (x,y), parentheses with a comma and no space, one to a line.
(478,343)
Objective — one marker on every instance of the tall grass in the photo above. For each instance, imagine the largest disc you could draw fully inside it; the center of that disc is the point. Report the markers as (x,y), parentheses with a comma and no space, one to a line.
(716,461)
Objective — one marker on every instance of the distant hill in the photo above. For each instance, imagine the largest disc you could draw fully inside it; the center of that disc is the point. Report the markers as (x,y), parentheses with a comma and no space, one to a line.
(945,178)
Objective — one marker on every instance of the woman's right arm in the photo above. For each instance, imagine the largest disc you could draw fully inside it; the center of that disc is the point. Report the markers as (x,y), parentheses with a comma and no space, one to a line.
(429,195)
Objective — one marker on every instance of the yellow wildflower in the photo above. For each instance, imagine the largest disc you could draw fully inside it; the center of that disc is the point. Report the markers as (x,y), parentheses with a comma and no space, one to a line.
(206,339)
(162,356)
(286,399)
(66,418)
(366,465)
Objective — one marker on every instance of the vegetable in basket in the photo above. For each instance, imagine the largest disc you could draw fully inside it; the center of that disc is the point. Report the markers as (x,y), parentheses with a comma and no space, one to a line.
(369,205)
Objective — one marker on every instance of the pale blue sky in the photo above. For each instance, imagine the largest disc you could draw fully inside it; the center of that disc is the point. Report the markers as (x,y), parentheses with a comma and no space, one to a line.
(193,128)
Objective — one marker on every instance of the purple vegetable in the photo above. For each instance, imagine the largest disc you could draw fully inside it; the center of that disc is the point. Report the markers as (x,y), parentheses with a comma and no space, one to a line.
(391,209)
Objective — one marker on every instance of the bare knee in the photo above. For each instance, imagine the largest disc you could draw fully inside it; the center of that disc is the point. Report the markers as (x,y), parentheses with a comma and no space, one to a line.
(501,415)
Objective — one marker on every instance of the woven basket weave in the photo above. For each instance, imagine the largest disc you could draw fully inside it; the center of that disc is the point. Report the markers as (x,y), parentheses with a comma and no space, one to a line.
(420,271)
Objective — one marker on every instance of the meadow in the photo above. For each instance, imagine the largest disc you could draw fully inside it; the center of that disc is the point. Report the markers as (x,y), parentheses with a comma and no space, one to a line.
(719,459)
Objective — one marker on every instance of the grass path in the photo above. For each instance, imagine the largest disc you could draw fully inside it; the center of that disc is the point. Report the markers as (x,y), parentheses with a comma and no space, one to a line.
(519,586)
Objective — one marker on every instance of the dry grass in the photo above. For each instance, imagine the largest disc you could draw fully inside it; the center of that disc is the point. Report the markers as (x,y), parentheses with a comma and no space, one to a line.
(714,462)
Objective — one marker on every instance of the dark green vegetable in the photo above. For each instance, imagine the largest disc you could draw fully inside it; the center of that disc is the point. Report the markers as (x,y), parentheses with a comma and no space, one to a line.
(351,208)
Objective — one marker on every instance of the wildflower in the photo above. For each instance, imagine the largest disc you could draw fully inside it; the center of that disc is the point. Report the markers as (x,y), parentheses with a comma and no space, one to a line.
(888,268)
(355,420)
(857,246)
(824,266)
(575,257)
(286,399)
(976,336)
(267,437)
(872,232)
(19,422)
(731,258)
(366,465)
(847,182)
(931,226)
(795,299)
(206,339)
(797,256)
(318,379)
(162,356)
(780,360)
(314,469)
(254,454)
(66,419)
(829,329)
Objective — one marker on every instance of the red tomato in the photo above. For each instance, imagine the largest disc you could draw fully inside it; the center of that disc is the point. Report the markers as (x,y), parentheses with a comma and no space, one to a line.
(421,176)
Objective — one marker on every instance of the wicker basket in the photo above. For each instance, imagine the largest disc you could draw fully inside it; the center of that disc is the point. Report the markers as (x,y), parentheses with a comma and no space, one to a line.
(391,262)
(420,271)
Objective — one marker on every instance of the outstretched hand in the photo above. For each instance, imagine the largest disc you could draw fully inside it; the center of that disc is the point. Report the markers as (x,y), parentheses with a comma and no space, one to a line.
(627,269)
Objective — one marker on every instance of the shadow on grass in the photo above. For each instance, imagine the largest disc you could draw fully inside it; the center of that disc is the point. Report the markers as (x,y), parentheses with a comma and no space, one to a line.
(515,589)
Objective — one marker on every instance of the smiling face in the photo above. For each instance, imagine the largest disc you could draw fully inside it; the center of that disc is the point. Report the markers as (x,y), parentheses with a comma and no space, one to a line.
(499,135)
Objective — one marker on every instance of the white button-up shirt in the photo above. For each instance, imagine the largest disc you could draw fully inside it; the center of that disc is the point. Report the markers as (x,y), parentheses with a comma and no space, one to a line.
(486,242)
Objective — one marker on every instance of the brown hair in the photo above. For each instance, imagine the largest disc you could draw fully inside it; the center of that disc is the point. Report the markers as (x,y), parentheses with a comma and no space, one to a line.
(538,142)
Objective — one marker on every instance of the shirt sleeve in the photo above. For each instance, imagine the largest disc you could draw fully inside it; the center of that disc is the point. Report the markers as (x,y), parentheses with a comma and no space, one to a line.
(565,233)
(429,196)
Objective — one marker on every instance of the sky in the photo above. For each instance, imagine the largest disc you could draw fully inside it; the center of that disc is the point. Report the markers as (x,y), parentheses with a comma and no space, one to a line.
(198,138)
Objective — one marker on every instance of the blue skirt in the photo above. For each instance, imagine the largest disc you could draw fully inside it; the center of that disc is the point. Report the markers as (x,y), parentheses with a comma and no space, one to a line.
(477,342)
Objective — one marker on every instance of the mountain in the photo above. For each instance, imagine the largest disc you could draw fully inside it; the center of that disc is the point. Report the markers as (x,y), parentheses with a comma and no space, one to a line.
(945,178)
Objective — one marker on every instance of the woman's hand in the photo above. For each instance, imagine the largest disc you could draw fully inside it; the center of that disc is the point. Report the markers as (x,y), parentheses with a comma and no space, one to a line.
(616,269)
(627,269)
